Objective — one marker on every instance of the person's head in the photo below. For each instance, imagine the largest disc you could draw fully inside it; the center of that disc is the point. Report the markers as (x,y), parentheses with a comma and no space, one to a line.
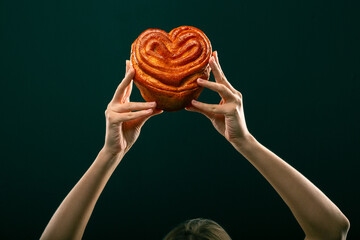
(198,229)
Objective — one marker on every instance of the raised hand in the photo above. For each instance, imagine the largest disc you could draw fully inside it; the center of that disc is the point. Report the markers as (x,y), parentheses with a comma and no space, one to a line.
(317,215)
(227,116)
(124,119)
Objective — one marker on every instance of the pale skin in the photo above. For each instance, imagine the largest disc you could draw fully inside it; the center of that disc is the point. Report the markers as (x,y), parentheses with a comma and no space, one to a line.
(317,215)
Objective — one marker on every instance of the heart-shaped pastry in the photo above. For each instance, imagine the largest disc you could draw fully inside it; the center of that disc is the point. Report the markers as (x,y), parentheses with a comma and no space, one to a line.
(168,64)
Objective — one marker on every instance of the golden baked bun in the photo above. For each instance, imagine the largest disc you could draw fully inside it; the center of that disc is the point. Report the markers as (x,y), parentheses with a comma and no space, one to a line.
(168,64)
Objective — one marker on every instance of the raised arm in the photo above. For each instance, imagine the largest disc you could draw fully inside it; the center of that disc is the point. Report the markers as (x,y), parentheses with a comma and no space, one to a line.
(317,215)
(124,120)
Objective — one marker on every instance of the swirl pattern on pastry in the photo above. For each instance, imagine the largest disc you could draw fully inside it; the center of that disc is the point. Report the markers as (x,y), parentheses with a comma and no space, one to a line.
(168,64)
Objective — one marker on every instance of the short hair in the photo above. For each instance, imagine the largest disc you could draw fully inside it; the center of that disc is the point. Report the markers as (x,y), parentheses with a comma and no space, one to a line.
(198,229)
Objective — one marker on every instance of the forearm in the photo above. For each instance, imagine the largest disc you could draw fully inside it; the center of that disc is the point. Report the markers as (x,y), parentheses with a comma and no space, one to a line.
(72,216)
(316,214)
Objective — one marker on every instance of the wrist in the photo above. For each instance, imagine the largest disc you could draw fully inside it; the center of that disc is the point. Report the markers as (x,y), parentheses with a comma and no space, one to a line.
(242,143)
(109,157)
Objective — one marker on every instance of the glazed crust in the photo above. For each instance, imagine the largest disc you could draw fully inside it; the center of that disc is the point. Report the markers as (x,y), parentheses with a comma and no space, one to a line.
(167,65)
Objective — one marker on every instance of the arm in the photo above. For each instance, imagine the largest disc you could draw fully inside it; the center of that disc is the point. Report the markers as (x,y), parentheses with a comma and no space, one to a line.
(124,120)
(317,215)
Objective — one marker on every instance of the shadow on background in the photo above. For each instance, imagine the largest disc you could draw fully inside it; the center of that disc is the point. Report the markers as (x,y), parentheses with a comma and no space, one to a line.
(296,62)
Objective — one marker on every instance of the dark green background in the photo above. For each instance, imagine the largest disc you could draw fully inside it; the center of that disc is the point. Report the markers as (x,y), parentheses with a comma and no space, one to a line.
(297,64)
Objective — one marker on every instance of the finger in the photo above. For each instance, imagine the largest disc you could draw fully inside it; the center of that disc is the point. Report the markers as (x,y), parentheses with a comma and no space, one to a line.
(218,74)
(157,112)
(119,93)
(216,70)
(132,106)
(123,117)
(194,109)
(128,91)
(128,88)
(210,108)
(221,89)
(216,56)
(127,66)
(141,121)
(138,123)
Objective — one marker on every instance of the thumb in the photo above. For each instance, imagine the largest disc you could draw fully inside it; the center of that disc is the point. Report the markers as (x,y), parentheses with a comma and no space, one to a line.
(194,109)
(141,121)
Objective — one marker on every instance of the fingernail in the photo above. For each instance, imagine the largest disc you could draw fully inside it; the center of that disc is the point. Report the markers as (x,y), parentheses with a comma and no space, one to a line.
(199,80)
(152,104)
(194,101)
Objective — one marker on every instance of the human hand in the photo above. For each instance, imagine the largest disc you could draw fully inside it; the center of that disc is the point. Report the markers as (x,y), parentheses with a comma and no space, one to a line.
(124,119)
(228,116)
